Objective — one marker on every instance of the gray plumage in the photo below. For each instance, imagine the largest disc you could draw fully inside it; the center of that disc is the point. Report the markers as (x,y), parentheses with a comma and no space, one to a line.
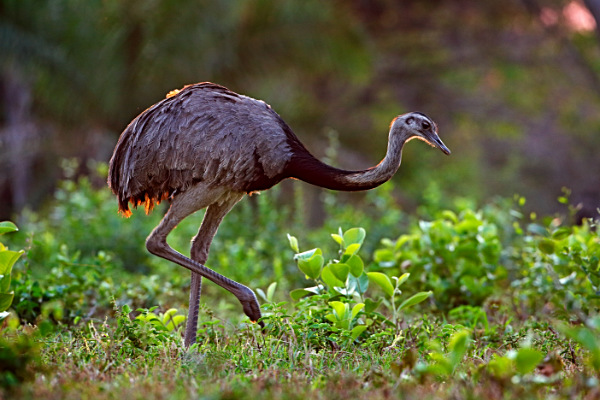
(205,147)
(203,133)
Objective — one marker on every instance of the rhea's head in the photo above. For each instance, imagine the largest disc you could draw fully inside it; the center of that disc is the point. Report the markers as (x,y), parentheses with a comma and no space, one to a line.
(416,125)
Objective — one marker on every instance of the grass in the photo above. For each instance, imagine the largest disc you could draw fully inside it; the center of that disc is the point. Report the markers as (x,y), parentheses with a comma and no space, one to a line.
(464,303)
(241,362)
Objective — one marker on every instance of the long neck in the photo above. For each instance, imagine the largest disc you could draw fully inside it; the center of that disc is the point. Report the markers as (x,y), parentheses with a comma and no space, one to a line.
(306,167)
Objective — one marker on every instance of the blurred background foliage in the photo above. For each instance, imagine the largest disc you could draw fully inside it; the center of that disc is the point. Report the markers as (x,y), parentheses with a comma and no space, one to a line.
(513,85)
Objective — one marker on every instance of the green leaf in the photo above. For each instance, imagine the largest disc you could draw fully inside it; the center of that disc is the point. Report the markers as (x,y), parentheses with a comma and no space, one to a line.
(338,239)
(442,365)
(329,278)
(546,246)
(357,331)
(354,236)
(371,305)
(341,310)
(8,259)
(7,227)
(312,266)
(404,239)
(341,271)
(297,294)
(561,233)
(178,319)
(262,294)
(415,299)
(584,336)
(470,224)
(450,215)
(384,257)
(150,317)
(356,265)
(293,243)
(6,300)
(501,367)
(4,283)
(362,283)
(537,229)
(174,322)
(168,315)
(271,291)
(356,309)
(307,255)
(332,318)
(383,281)
(351,286)
(402,279)
(563,200)
(458,346)
(352,249)
(353,239)
(527,359)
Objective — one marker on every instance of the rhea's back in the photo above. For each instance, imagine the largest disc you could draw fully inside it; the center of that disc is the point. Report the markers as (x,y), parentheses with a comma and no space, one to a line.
(203,133)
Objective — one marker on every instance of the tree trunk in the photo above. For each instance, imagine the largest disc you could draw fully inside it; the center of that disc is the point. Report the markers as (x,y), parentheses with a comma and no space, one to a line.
(18,138)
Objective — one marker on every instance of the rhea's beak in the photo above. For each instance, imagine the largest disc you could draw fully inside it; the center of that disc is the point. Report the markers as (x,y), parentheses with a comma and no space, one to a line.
(437,142)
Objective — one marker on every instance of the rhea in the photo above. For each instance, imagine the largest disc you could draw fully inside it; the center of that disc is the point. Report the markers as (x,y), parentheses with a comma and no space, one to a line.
(205,146)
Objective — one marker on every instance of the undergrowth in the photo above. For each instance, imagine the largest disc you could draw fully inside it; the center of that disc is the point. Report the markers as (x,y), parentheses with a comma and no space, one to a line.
(455,302)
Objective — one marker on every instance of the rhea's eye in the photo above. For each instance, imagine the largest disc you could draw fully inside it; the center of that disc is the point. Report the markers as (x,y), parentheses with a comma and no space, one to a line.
(425,125)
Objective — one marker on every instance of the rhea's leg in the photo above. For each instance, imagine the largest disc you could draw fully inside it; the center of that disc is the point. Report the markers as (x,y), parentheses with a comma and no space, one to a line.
(191,325)
(200,248)
(183,205)
(157,245)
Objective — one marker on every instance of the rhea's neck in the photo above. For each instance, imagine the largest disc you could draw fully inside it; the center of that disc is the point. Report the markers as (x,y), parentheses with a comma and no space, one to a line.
(307,168)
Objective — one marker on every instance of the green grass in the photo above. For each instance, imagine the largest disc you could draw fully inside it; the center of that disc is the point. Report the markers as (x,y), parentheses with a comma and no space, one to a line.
(100,361)
(458,302)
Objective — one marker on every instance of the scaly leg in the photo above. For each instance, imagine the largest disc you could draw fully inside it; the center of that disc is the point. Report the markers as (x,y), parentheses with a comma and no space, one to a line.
(200,248)
(191,326)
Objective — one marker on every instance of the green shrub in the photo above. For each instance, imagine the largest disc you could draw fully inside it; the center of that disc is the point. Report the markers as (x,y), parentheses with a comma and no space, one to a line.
(457,256)
(559,267)
(472,256)
(19,360)
(340,291)
(7,260)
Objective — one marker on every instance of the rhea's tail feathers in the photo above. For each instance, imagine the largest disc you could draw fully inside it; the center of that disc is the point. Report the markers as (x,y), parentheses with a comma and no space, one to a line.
(149,202)
(134,195)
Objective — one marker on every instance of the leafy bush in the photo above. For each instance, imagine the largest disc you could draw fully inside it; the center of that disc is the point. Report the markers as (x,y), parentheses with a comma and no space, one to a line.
(559,267)
(457,256)
(472,256)
(19,360)
(588,337)
(71,290)
(339,295)
(84,218)
(7,260)
(464,295)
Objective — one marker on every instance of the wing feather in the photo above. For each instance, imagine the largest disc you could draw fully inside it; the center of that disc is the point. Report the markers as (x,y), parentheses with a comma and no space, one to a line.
(203,133)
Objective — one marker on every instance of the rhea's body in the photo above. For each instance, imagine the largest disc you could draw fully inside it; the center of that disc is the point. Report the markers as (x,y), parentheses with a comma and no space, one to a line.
(206,147)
